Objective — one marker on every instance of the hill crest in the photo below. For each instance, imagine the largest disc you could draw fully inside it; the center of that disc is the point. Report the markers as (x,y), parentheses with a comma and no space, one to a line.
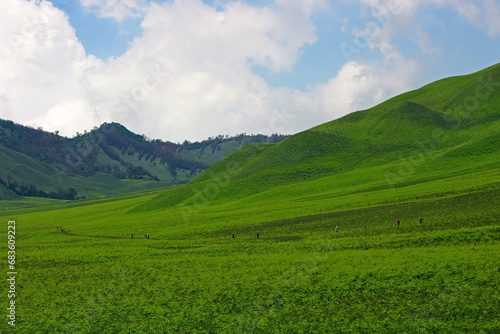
(122,160)
(399,137)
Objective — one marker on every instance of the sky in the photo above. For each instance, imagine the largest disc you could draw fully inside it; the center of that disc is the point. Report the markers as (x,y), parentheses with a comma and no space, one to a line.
(190,69)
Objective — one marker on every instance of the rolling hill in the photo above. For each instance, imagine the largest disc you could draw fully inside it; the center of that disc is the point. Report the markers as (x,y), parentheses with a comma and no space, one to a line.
(450,127)
(108,160)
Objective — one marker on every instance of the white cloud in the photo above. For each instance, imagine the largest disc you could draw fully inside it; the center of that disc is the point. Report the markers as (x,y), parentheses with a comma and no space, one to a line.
(75,111)
(486,15)
(41,62)
(203,62)
(362,85)
(189,75)
(118,10)
(423,40)
(483,14)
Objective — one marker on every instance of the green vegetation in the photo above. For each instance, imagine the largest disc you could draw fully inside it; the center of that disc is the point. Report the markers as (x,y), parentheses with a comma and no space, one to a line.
(109,160)
(416,155)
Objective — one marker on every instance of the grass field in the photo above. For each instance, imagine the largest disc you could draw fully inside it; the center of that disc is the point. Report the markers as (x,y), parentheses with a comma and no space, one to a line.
(300,275)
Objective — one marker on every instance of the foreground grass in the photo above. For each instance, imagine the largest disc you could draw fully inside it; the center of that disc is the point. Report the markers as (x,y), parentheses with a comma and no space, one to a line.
(299,276)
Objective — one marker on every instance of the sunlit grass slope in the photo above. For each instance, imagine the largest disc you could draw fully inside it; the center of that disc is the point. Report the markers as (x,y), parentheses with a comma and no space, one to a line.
(413,156)
(448,127)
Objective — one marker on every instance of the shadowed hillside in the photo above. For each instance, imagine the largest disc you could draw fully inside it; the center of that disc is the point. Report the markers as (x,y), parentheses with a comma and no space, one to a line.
(105,161)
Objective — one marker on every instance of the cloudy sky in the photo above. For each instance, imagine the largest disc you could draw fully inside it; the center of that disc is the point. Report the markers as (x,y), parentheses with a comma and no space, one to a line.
(190,69)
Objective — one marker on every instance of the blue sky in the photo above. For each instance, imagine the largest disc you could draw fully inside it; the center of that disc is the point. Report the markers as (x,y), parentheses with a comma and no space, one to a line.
(189,69)
(102,37)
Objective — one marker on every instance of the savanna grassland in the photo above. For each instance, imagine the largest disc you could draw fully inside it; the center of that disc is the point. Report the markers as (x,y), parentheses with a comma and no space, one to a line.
(429,153)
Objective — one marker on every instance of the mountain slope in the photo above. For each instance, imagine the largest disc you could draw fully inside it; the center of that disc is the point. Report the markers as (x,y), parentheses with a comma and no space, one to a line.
(449,127)
(105,161)
(418,120)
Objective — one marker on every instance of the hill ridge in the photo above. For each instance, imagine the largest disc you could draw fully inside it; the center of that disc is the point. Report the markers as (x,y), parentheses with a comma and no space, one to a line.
(108,160)
(408,131)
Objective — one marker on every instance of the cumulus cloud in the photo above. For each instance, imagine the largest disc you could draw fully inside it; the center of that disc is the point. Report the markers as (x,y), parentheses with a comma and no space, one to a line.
(201,60)
(189,75)
(363,83)
(360,85)
(41,61)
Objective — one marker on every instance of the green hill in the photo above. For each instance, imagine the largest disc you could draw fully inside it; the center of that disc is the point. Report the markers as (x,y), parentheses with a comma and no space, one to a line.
(454,122)
(188,259)
(106,161)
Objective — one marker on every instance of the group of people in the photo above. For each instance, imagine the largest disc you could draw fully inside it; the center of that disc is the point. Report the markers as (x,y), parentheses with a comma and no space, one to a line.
(146,236)
(398,222)
(420,220)
(258,235)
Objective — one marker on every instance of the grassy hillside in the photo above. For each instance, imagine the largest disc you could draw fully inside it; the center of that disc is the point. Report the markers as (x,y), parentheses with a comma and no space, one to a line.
(109,160)
(414,137)
(412,156)
(25,170)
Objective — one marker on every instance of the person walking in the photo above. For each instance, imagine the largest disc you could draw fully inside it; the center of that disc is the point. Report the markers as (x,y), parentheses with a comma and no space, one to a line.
(132,237)
(398,222)
(336,229)
(420,220)
(257,234)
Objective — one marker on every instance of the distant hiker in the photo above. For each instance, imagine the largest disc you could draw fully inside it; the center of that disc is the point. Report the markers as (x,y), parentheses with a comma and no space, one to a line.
(57,226)
(337,229)
(233,235)
(257,234)
(420,220)
(398,223)
(148,236)
(145,235)
(132,236)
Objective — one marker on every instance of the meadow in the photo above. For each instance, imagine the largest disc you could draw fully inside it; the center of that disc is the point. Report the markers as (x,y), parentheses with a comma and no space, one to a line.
(299,276)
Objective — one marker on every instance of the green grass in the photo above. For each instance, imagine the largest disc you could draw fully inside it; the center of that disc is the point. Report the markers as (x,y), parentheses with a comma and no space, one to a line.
(300,276)
(191,276)
(50,178)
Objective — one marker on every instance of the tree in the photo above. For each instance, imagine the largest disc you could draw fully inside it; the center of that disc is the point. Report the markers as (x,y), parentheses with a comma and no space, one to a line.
(71,193)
